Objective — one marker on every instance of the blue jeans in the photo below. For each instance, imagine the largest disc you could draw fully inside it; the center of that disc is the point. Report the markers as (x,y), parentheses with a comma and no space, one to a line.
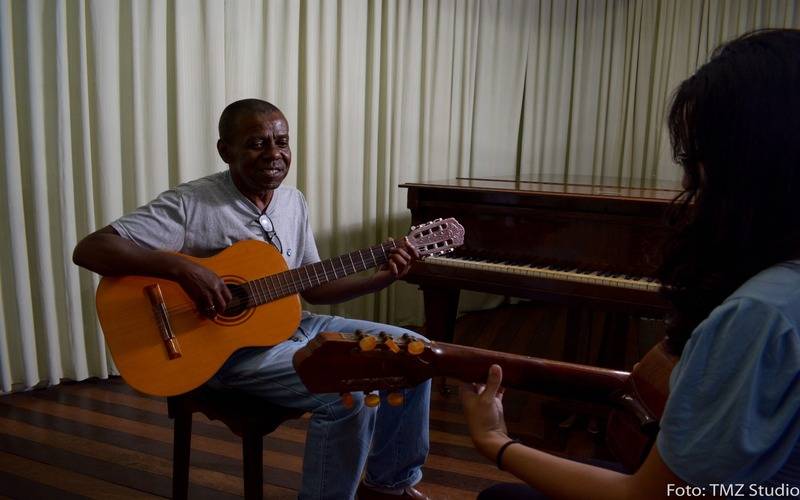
(391,440)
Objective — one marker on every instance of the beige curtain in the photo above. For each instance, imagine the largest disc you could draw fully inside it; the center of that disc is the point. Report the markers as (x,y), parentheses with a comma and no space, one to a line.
(105,103)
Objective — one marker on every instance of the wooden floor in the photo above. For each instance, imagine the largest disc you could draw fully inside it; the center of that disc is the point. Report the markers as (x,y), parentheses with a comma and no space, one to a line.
(101,439)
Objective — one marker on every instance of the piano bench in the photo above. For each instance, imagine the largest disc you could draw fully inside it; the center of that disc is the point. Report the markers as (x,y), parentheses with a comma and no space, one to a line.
(247,416)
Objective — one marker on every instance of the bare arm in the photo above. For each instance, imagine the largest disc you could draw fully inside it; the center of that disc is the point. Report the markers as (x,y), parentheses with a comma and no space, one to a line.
(554,476)
(559,477)
(109,254)
(342,290)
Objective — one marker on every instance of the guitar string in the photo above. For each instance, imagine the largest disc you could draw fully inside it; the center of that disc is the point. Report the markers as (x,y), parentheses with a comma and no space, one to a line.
(271,292)
(283,291)
(267,291)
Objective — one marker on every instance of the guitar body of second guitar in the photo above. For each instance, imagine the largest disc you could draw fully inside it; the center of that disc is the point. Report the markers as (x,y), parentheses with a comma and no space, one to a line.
(133,329)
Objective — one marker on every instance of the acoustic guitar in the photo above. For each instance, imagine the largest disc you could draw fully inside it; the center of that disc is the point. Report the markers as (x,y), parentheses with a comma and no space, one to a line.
(161,343)
(345,362)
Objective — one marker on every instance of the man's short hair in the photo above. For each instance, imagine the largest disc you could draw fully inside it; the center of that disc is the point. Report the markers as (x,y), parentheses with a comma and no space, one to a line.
(233,111)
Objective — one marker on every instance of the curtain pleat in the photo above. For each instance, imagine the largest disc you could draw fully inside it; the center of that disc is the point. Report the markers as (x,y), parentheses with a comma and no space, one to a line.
(72,342)
(106,103)
(20,342)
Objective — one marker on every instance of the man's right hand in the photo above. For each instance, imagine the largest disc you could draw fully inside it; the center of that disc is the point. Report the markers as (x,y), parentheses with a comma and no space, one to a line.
(109,254)
(204,287)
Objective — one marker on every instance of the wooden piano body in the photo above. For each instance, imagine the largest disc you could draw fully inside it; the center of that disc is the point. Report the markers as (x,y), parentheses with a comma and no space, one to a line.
(573,241)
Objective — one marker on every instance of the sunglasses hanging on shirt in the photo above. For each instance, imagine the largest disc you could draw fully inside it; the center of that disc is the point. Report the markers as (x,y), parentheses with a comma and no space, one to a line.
(269,229)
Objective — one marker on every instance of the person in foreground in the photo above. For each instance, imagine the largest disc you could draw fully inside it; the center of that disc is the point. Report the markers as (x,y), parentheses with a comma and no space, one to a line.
(732,419)
(247,201)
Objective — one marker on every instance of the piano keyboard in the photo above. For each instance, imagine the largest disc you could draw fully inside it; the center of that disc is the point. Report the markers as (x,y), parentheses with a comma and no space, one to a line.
(551,272)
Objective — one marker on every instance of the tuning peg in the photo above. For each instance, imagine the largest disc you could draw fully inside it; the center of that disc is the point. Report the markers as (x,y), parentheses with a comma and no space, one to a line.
(414,346)
(395,399)
(372,400)
(365,342)
(413,228)
(347,400)
(390,343)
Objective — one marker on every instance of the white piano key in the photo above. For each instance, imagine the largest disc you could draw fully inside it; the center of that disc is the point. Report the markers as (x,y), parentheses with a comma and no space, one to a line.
(548,272)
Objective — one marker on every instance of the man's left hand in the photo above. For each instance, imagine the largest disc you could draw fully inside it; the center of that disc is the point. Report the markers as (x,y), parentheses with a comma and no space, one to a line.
(401,258)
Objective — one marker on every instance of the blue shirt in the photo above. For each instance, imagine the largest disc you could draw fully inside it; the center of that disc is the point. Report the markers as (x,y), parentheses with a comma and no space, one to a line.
(733,414)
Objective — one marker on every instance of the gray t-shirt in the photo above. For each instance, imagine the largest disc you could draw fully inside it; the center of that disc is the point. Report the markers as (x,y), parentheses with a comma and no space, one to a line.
(207,215)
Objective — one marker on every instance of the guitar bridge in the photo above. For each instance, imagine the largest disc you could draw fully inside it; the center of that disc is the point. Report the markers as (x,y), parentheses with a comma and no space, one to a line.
(162,318)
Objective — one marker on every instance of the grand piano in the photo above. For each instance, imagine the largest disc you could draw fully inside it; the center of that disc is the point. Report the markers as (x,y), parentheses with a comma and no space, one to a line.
(576,241)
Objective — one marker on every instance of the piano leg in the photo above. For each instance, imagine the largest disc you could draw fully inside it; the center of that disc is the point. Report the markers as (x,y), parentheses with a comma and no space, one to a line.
(617,334)
(573,334)
(599,337)
(441,306)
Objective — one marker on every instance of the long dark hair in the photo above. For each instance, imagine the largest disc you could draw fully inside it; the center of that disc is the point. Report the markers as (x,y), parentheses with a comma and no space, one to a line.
(735,130)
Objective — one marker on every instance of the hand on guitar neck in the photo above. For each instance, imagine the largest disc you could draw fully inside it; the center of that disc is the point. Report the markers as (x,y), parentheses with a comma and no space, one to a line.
(400,258)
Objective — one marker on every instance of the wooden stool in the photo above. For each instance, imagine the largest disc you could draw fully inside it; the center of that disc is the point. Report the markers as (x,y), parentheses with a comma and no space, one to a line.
(247,416)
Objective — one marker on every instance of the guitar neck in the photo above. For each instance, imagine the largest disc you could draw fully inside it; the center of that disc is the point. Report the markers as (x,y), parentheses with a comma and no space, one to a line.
(294,281)
(335,362)
(347,362)
(538,375)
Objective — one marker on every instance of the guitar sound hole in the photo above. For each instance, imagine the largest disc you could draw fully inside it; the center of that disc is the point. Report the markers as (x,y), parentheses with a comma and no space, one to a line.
(239,303)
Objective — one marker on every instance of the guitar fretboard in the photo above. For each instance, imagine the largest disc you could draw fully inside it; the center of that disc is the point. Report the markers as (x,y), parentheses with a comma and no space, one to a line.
(293,281)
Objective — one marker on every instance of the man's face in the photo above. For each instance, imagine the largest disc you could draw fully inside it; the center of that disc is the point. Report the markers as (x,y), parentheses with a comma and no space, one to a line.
(258,153)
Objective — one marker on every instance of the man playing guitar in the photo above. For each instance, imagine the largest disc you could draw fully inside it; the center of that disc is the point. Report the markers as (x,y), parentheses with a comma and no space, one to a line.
(201,218)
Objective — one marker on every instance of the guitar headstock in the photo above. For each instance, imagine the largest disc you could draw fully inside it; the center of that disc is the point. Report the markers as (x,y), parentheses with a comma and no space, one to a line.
(338,362)
(437,237)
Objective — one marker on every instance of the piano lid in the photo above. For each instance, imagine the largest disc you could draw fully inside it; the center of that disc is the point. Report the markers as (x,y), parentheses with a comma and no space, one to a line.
(560,185)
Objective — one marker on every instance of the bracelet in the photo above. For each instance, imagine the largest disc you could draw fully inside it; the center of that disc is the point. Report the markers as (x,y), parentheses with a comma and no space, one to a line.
(499,459)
